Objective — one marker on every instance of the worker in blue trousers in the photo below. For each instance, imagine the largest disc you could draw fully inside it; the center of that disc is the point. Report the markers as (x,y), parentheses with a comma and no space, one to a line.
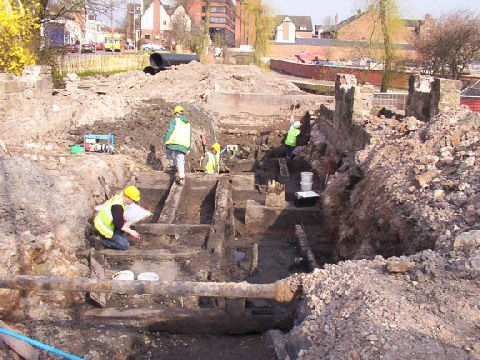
(110,221)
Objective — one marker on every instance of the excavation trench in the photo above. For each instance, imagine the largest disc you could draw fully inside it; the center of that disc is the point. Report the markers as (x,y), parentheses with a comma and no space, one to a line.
(227,229)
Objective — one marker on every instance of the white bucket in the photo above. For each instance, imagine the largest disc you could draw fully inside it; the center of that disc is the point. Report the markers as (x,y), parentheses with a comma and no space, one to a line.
(124,275)
(306,177)
(306,186)
(149,276)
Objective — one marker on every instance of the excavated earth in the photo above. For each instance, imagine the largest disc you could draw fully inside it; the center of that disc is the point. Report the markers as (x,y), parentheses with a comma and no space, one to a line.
(403,217)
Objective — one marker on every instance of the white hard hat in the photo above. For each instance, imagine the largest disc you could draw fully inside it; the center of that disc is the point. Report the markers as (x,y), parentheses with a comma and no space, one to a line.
(297,124)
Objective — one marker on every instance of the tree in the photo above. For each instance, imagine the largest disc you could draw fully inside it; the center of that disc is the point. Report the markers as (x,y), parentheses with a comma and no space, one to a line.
(263,28)
(328,22)
(449,44)
(387,11)
(181,27)
(20,26)
(386,26)
(206,29)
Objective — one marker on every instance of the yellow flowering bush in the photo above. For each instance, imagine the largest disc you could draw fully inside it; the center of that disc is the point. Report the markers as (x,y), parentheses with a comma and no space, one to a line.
(19,28)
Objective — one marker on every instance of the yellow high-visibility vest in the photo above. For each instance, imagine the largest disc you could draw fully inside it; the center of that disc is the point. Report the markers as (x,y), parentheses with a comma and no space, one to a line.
(213,163)
(181,134)
(104,220)
(291,139)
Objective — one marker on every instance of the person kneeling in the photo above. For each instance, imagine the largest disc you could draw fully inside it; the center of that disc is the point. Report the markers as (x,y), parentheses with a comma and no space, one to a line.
(110,221)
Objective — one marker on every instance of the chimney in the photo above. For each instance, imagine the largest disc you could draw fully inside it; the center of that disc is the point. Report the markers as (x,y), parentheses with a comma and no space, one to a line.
(336,19)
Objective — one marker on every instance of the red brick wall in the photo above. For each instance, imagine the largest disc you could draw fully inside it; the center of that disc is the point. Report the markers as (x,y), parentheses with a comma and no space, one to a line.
(326,52)
(330,73)
(472,103)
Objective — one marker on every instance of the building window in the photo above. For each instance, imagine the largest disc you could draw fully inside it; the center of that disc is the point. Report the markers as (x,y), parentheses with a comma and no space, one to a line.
(147,36)
(164,22)
(303,28)
(218,20)
(216,9)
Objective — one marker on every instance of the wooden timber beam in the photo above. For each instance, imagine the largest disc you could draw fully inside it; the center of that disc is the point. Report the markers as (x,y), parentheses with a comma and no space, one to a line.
(172,229)
(167,216)
(305,249)
(198,321)
(145,254)
(281,290)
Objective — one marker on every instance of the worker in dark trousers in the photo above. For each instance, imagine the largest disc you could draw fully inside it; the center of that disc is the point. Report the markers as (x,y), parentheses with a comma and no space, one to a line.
(291,140)
(178,140)
(110,221)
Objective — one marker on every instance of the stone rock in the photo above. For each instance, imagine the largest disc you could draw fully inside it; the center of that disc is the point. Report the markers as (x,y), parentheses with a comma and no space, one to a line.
(426,178)
(398,266)
(467,241)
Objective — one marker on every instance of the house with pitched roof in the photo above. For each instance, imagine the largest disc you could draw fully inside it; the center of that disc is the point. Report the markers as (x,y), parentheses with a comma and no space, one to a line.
(288,28)
(366,26)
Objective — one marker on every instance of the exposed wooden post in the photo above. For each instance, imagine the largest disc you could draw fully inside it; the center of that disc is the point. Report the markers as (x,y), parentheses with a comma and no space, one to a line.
(305,249)
(280,290)
(171,204)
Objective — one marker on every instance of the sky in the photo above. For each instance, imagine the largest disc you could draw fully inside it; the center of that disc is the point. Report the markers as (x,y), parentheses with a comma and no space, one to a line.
(409,9)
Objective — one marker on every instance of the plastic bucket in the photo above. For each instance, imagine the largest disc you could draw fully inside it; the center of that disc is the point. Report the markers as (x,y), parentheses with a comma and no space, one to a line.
(306,186)
(306,177)
(148,276)
(124,275)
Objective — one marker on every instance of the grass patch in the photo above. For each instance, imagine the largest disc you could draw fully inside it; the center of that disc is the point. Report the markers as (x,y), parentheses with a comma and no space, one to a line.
(93,73)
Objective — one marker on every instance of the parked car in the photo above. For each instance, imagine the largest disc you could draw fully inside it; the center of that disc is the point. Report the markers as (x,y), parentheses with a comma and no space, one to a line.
(99,47)
(88,48)
(71,48)
(153,47)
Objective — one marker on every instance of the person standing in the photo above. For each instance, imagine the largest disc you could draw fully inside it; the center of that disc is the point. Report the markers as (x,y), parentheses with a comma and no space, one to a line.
(211,162)
(110,220)
(178,140)
(291,140)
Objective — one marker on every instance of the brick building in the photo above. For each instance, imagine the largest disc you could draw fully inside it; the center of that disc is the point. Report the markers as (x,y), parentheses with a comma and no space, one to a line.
(244,25)
(155,23)
(366,26)
(222,18)
(288,28)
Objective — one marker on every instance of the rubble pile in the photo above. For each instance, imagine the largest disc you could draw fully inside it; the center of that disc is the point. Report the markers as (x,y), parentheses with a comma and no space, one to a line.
(416,193)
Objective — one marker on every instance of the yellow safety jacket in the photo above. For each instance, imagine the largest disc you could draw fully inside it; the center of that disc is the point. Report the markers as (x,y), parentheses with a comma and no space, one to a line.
(213,163)
(291,139)
(181,134)
(104,220)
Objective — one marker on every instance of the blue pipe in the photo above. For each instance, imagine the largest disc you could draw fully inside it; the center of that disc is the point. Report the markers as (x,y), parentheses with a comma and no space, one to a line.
(39,344)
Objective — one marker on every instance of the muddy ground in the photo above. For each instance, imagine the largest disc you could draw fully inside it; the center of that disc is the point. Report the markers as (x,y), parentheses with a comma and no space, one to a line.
(379,203)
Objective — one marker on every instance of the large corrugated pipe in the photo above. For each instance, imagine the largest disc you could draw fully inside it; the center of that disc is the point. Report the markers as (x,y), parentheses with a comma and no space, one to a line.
(163,60)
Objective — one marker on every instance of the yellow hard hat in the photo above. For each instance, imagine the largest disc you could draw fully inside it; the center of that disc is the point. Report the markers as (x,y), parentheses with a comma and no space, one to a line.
(216,147)
(132,192)
(178,109)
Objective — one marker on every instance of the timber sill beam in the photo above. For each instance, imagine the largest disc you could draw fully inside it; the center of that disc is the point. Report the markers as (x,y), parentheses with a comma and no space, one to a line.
(281,290)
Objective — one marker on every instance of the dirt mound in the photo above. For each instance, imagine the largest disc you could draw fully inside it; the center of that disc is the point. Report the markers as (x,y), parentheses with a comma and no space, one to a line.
(416,186)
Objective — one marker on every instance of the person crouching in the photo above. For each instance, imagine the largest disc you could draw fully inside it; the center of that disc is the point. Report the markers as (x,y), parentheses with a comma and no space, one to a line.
(110,221)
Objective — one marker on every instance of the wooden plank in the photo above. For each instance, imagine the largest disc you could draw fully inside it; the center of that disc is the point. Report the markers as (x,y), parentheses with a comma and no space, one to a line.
(22,348)
(145,254)
(284,173)
(172,229)
(223,204)
(281,290)
(167,216)
(97,272)
(199,321)
(305,249)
